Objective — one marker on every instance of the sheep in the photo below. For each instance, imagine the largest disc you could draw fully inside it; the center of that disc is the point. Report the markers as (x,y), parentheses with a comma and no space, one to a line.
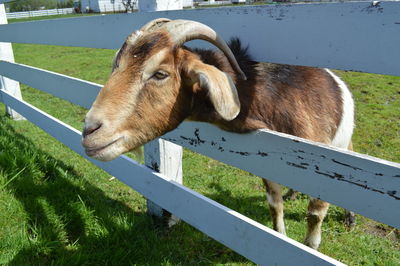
(157,83)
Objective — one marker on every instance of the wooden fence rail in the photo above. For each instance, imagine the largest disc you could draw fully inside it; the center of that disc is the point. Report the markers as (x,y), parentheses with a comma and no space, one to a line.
(346,36)
(367,185)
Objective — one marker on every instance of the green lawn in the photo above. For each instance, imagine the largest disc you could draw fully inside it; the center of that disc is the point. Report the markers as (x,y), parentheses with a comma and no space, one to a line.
(57,208)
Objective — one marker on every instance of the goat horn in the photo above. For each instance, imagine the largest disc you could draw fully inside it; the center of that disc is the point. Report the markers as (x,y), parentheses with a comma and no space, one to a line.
(154,24)
(149,27)
(186,30)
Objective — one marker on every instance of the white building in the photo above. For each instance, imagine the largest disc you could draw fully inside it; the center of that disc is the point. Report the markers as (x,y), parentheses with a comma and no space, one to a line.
(102,6)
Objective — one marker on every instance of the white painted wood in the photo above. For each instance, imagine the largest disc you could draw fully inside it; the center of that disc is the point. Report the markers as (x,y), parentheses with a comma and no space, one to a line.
(332,35)
(159,5)
(364,184)
(77,91)
(166,158)
(6,53)
(247,237)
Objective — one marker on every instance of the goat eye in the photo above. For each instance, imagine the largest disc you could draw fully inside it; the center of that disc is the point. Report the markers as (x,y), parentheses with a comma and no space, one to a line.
(160,75)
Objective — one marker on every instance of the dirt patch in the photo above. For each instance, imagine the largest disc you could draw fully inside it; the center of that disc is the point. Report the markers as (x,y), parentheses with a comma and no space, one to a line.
(382,230)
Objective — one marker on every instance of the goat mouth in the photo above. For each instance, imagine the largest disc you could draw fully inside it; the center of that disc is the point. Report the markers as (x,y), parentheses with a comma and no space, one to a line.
(93,151)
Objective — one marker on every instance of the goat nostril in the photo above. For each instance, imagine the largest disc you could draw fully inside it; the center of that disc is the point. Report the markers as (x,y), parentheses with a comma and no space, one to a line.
(90,128)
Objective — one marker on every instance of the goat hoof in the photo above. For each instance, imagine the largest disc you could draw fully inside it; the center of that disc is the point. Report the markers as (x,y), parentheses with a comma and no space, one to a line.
(312,243)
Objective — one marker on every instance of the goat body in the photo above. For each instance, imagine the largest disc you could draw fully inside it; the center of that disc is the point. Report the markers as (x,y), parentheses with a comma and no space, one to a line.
(307,102)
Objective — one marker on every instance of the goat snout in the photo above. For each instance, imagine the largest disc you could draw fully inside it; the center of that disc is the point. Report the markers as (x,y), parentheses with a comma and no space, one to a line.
(91,126)
(100,141)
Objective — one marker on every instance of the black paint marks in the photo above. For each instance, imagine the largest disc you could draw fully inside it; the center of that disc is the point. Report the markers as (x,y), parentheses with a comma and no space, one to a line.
(262,154)
(194,141)
(154,166)
(392,193)
(347,165)
(197,135)
(296,165)
(244,153)
(365,186)
(373,7)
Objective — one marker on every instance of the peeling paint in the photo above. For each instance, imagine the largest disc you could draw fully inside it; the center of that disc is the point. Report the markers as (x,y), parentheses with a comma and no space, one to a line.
(296,165)
(197,134)
(262,154)
(347,165)
(302,159)
(154,166)
(191,141)
(375,6)
(340,177)
(244,153)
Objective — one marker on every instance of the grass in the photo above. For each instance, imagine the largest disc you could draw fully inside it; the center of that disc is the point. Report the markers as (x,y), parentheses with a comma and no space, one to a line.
(57,208)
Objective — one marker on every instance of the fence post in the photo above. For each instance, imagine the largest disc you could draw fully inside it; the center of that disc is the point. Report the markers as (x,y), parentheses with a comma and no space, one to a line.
(166,158)
(6,54)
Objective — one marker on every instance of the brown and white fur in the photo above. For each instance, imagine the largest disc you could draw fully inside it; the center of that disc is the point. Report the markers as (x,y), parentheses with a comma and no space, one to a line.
(156,84)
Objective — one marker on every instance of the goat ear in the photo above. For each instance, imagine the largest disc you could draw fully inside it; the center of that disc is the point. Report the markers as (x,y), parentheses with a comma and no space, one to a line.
(220,88)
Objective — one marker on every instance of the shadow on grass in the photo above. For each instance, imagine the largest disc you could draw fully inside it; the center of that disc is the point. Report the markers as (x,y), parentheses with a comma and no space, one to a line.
(70,221)
(251,207)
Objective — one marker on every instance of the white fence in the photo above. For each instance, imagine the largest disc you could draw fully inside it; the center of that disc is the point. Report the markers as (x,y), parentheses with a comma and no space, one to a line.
(208,3)
(39,13)
(340,36)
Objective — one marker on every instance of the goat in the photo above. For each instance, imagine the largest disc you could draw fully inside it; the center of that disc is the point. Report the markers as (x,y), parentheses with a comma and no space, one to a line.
(157,82)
